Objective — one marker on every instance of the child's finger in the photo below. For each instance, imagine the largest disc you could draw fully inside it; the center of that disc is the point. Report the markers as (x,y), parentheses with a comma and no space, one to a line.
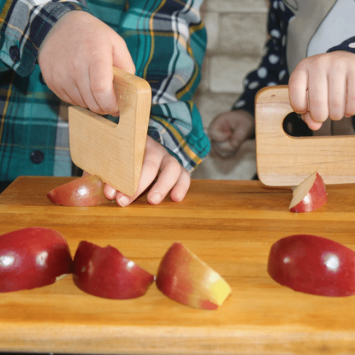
(169,175)
(101,85)
(318,96)
(148,174)
(181,187)
(76,96)
(337,95)
(110,192)
(298,86)
(83,83)
(121,56)
(310,122)
(350,97)
(63,95)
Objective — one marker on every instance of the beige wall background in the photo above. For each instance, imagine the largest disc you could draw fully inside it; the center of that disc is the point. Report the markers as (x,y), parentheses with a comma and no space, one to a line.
(236,32)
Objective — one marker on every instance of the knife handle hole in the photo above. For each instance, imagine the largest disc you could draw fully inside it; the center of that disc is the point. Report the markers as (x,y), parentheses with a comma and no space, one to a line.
(294,126)
(112,118)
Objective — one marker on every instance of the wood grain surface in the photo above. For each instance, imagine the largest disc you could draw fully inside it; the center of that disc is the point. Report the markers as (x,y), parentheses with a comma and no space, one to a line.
(231,225)
(103,148)
(283,160)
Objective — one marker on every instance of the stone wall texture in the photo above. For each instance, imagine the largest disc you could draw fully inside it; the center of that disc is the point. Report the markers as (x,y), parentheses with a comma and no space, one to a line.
(236,32)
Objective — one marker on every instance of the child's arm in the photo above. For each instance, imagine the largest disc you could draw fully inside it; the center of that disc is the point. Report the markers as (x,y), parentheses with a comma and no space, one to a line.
(168,44)
(323,86)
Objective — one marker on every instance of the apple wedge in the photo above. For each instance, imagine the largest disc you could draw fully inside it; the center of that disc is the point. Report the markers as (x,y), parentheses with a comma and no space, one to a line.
(32,257)
(85,191)
(105,272)
(313,265)
(185,278)
(309,195)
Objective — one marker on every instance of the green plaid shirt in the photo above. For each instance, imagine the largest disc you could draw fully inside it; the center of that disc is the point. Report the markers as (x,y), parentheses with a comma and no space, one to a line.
(167,41)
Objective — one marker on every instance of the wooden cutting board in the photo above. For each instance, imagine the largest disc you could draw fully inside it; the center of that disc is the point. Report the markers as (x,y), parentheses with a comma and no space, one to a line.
(230,225)
(283,160)
(114,152)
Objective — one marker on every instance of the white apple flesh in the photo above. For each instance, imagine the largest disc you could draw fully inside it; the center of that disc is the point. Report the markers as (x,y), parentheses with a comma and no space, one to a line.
(310,195)
(185,278)
(32,257)
(105,272)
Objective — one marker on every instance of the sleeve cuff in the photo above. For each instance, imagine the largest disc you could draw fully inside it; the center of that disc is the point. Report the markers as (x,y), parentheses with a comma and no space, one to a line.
(189,150)
(348,46)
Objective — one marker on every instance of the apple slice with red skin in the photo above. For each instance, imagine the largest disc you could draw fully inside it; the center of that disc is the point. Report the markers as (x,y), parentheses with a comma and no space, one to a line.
(85,191)
(309,195)
(313,265)
(185,278)
(32,257)
(105,272)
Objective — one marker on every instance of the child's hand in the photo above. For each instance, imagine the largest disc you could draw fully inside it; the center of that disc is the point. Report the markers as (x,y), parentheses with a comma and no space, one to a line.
(323,86)
(76,59)
(229,130)
(160,165)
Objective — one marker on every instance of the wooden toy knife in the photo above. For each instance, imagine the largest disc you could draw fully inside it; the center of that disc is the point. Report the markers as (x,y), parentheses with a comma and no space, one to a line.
(114,152)
(283,160)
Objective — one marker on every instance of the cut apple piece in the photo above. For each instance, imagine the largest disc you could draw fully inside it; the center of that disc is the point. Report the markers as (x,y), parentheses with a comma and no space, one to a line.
(313,265)
(105,272)
(309,195)
(32,257)
(185,278)
(85,191)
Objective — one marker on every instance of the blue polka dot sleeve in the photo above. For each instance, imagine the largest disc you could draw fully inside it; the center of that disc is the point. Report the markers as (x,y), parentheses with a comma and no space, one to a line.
(348,46)
(273,67)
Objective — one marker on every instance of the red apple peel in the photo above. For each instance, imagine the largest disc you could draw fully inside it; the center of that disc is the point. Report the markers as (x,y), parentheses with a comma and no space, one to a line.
(185,278)
(105,272)
(32,257)
(314,265)
(310,195)
(85,191)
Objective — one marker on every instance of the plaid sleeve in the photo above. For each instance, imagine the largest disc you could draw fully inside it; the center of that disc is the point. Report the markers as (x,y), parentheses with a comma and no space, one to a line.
(167,41)
(24,25)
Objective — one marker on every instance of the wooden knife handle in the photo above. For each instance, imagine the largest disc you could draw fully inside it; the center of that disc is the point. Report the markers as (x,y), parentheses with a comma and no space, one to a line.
(283,160)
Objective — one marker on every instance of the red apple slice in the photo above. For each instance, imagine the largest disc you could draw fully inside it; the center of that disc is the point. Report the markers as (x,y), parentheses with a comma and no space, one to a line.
(314,265)
(85,191)
(185,278)
(105,272)
(309,195)
(32,257)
